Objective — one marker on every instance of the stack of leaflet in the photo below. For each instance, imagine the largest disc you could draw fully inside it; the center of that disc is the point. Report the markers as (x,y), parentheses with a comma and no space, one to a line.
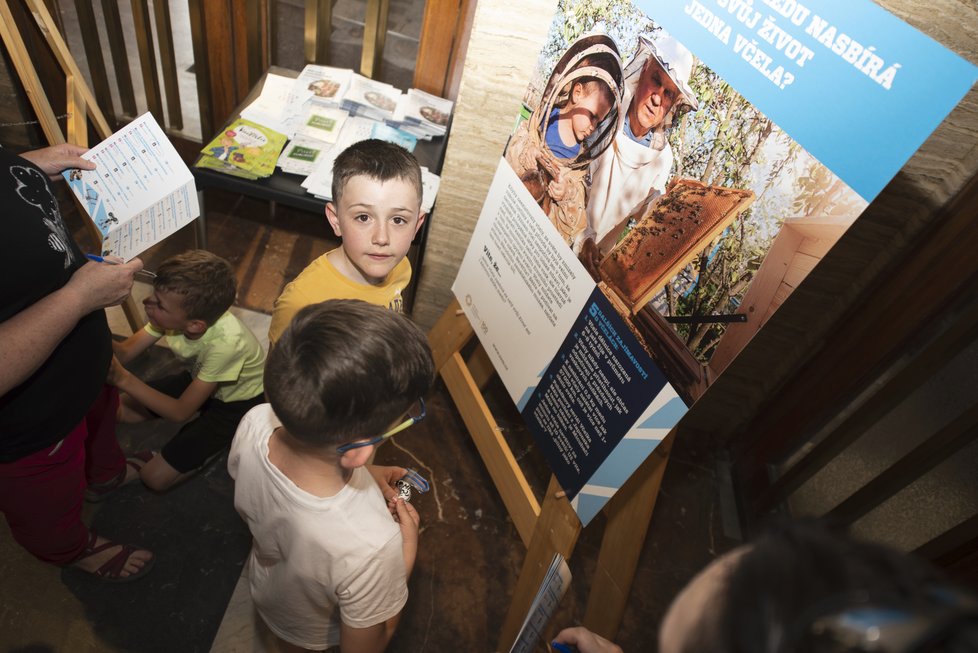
(370,98)
(245,149)
(319,182)
(316,134)
(422,114)
(273,108)
(322,112)
(314,104)
(322,84)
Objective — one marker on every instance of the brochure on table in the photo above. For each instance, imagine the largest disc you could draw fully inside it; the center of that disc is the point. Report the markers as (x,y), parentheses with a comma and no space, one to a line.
(141,190)
(825,84)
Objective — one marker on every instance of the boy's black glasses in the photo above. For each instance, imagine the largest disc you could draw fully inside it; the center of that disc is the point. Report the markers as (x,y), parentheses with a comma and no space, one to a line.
(410,421)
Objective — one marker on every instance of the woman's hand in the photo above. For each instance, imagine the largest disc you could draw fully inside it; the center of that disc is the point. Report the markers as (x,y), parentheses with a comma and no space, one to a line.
(98,285)
(57,158)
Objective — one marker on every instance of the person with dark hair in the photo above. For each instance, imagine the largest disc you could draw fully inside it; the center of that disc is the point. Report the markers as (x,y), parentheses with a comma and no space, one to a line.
(376,212)
(57,416)
(223,362)
(807,589)
(330,558)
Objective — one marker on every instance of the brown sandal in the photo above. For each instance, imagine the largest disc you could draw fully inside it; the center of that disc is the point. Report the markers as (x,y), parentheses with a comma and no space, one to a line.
(97,492)
(111,570)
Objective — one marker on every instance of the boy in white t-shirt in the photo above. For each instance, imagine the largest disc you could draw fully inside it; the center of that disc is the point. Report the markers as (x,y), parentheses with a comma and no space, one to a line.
(332,547)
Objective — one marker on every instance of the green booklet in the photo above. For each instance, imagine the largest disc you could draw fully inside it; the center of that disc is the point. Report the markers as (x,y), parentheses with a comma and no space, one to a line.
(245,146)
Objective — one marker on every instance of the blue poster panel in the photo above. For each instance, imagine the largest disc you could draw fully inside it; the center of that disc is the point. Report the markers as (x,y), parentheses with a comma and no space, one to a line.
(591,394)
(679,168)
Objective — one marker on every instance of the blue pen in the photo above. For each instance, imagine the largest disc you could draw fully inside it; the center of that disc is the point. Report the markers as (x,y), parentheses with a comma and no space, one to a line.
(562,648)
(100,259)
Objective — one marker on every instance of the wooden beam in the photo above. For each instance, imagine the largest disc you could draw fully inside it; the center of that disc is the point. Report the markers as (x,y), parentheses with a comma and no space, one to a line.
(77,127)
(555,532)
(629,513)
(943,346)
(866,339)
(318,26)
(506,474)
(480,366)
(202,69)
(93,53)
(17,50)
(449,334)
(120,58)
(63,55)
(440,39)
(147,59)
(168,63)
(934,450)
(374,37)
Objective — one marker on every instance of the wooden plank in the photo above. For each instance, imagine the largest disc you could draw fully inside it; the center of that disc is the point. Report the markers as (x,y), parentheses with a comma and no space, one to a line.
(120,58)
(218,51)
(374,37)
(439,41)
(168,63)
(952,545)
(147,59)
(93,53)
(77,124)
(257,32)
(931,358)
(63,55)
(480,366)
(449,334)
(318,25)
(17,50)
(629,513)
(202,68)
(924,457)
(506,474)
(556,531)
(238,19)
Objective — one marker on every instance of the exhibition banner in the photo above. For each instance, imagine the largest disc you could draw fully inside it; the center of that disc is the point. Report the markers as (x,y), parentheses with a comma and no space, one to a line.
(678,170)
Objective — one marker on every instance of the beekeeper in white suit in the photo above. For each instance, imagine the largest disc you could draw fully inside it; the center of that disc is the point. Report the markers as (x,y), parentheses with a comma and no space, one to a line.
(637,166)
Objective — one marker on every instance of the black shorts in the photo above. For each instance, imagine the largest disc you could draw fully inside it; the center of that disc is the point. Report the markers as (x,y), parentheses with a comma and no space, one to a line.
(206,435)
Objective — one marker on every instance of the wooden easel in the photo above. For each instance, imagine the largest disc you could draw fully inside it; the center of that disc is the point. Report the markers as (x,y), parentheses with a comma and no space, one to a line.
(81,103)
(552,527)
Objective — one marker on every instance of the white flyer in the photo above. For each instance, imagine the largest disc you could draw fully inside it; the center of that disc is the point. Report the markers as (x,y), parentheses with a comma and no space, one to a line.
(141,190)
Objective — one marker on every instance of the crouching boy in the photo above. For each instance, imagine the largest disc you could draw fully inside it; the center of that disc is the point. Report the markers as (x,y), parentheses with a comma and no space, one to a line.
(332,549)
(223,364)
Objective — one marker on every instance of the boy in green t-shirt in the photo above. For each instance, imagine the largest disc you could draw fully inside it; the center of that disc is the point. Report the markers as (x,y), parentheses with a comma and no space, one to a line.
(189,305)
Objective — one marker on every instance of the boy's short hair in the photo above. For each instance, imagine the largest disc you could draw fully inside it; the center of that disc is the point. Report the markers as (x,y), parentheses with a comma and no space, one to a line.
(345,369)
(591,85)
(378,160)
(205,281)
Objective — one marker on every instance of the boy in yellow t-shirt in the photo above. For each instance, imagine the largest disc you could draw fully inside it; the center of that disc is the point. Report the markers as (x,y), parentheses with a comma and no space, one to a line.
(376,211)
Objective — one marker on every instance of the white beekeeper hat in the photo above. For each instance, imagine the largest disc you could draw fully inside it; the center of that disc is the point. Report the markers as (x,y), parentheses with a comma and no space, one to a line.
(674,58)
